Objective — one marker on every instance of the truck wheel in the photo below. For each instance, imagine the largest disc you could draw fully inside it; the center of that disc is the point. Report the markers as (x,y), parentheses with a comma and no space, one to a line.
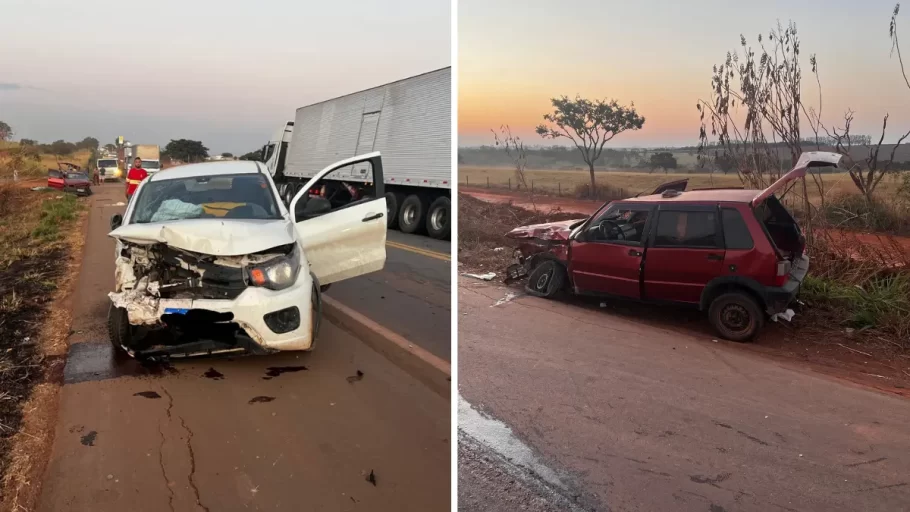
(438,218)
(413,212)
(546,280)
(118,328)
(736,316)
(391,204)
(289,194)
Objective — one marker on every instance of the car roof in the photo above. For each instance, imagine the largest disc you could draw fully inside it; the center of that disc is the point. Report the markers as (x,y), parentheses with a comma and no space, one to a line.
(726,195)
(207,169)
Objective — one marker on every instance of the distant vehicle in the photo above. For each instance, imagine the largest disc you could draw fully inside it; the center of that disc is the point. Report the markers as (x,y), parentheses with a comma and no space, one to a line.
(208,256)
(736,253)
(108,169)
(150,155)
(72,181)
(408,121)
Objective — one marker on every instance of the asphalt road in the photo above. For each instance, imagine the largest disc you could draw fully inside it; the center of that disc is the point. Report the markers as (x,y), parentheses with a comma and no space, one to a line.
(580,405)
(291,431)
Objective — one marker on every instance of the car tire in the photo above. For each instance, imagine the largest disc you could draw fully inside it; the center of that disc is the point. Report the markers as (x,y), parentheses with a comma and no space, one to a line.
(736,316)
(439,218)
(118,328)
(412,215)
(546,280)
(289,194)
(391,204)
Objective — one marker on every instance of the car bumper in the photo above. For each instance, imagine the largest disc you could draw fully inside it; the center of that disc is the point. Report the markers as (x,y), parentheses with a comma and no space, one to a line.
(250,308)
(778,298)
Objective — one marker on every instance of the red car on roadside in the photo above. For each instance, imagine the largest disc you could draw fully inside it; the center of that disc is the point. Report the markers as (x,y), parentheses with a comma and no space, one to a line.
(737,254)
(69,181)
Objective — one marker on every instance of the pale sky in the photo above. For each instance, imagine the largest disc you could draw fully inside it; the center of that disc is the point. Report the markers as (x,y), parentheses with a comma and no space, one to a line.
(226,72)
(515,55)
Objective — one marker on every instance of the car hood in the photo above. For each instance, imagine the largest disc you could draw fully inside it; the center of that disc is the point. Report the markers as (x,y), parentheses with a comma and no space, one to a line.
(218,237)
(555,231)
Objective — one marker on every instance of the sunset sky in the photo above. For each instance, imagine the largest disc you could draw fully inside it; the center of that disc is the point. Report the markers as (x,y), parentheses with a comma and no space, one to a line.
(515,55)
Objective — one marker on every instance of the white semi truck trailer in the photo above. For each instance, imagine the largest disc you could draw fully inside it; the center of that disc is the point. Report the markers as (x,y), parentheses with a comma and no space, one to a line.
(409,122)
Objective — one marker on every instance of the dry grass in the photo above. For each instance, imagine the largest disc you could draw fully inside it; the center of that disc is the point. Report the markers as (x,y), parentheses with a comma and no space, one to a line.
(631,183)
(37,277)
(36,168)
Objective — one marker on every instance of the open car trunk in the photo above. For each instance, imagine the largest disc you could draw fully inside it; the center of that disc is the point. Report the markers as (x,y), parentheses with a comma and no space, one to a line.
(782,229)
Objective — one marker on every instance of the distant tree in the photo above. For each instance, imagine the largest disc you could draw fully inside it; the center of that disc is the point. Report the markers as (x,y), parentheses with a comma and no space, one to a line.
(227,155)
(28,142)
(186,150)
(589,125)
(665,160)
(6,131)
(110,147)
(253,155)
(61,147)
(88,143)
(725,162)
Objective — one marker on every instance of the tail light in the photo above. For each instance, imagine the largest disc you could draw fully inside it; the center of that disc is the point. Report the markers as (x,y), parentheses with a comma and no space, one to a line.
(783,272)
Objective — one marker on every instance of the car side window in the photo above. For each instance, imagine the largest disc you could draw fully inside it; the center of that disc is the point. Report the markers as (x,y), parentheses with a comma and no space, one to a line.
(686,229)
(620,224)
(736,233)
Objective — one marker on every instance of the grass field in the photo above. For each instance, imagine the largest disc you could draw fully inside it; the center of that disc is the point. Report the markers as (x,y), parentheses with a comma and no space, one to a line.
(37,168)
(633,182)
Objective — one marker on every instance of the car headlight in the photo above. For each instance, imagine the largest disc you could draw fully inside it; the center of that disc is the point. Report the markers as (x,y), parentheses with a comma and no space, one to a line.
(277,273)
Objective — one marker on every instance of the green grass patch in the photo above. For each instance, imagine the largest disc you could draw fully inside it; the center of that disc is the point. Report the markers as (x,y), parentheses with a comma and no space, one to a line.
(878,302)
(54,213)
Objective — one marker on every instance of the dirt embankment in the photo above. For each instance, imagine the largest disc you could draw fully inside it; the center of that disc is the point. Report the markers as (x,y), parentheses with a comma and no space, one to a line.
(816,336)
(41,239)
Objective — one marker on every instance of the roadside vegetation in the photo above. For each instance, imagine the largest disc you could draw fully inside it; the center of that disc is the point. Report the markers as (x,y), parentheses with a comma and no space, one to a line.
(36,242)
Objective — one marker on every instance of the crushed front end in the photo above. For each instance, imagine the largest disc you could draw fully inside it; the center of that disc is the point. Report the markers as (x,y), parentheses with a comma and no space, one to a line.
(184,303)
(537,241)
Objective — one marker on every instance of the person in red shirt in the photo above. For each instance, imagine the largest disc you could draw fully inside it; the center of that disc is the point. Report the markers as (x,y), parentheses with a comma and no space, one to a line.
(134,177)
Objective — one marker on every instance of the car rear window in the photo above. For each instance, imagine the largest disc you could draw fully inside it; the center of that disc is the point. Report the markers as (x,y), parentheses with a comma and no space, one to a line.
(107,163)
(236,196)
(686,229)
(736,233)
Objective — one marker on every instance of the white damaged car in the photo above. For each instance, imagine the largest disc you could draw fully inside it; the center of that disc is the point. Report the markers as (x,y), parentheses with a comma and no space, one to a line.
(209,260)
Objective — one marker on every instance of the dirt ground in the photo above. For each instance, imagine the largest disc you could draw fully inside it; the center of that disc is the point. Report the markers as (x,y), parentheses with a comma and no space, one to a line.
(36,279)
(815,336)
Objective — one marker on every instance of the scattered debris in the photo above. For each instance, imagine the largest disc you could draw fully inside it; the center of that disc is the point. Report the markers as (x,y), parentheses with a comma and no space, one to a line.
(260,400)
(489,276)
(603,304)
(355,378)
(39,189)
(274,371)
(89,439)
(213,374)
(786,315)
(372,478)
(498,249)
(508,298)
(147,394)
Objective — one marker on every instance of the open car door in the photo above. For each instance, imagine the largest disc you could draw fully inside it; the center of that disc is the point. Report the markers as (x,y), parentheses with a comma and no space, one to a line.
(347,240)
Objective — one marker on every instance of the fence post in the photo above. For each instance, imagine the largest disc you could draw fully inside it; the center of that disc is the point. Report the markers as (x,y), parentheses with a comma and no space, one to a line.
(532,186)
(510,184)
(467,181)
(559,188)
(488,182)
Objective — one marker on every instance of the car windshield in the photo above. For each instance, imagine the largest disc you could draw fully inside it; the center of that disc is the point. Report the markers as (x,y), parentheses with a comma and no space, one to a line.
(76,176)
(107,163)
(150,164)
(235,196)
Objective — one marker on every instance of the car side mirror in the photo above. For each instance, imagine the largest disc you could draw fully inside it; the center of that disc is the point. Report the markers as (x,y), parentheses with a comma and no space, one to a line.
(116,221)
(310,207)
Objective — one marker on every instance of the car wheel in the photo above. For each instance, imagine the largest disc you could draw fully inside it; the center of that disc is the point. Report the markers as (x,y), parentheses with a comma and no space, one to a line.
(289,194)
(438,218)
(412,215)
(736,316)
(316,312)
(118,328)
(391,205)
(546,280)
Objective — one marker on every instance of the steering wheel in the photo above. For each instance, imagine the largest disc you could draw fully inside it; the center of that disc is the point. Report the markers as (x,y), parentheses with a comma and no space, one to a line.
(608,225)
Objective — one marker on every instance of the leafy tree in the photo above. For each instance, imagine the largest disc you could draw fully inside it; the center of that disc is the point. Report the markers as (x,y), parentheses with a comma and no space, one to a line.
(6,131)
(186,150)
(253,155)
(665,160)
(61,147)
(28,142)
(110,147)
(589,125)
(725,162)
(88,143)
(227,155)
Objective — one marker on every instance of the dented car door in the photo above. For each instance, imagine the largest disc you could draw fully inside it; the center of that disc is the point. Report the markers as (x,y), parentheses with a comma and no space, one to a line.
(345,241)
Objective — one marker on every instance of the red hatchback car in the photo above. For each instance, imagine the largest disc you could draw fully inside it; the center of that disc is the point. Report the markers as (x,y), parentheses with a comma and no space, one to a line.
(69,181)
(736,253)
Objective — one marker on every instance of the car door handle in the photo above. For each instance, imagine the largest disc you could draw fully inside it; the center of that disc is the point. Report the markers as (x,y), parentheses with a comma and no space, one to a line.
(633,252)
(372,217)
(715,257)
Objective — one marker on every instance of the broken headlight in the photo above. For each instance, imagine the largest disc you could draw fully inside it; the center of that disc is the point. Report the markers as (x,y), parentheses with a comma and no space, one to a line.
(277,273)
